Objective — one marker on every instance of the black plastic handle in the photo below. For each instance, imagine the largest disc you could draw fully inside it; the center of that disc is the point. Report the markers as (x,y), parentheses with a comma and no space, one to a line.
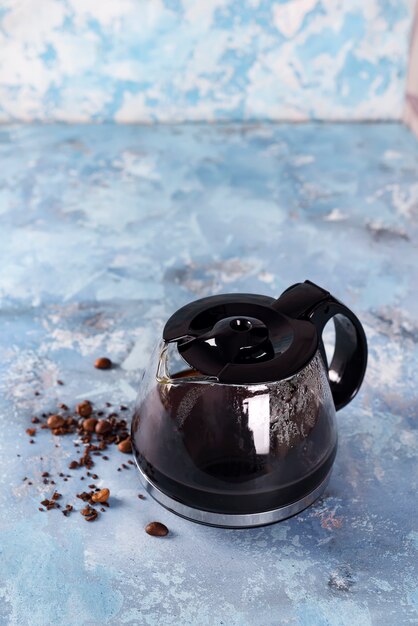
(348,366)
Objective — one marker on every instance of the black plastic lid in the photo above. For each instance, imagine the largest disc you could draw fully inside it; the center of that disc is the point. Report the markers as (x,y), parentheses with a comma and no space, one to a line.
(242,338)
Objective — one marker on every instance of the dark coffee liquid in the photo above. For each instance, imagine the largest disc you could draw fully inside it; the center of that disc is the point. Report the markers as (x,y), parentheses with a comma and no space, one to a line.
(231,448)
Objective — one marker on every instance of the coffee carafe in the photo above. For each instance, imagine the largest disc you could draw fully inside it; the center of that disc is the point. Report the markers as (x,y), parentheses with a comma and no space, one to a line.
(235,421)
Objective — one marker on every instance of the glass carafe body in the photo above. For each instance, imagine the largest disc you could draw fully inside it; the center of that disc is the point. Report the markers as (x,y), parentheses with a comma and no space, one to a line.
(233,449)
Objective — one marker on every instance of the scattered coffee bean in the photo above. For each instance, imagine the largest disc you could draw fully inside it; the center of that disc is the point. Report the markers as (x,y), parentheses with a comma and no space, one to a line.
(73,465)
(103,427)
(84,408)
(68,509)
(63,406)
(89,424)
(55,421)
(31,432)
(103,363)
(101,496)
(35,420)
(45,474)
(156,529)
(125,446)
(89,514)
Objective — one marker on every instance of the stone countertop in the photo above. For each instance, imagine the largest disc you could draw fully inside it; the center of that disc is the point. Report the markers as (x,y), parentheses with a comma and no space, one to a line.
(106,230)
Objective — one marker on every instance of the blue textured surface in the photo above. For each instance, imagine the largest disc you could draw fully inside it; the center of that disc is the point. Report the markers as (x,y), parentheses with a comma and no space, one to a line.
(104,231)
(175,60)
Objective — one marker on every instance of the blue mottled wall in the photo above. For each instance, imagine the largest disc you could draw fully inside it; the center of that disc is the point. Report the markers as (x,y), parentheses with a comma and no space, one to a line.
(174,60)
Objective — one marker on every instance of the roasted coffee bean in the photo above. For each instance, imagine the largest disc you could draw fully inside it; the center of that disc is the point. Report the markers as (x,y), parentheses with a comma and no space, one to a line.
(103,427)
(63,406)
(73,465)
(103,363)
(55,421)
(156,529)
(58,431)
(31,432)
(45,474)
(89,424)
(101,496)
(84,408)
(89,514)
(35,420)
(125,446)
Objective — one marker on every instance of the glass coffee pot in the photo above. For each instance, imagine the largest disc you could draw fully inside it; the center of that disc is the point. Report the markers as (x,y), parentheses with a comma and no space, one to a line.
(235,421)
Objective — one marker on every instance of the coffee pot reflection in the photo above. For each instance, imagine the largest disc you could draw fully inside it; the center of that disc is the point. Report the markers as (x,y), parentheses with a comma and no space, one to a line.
(235,421)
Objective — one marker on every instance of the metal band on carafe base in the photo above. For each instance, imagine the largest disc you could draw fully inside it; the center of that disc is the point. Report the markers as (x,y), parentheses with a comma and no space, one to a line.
(223,520)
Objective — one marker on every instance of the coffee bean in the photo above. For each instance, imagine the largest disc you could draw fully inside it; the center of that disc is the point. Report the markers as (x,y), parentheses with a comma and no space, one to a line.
(156,529)
(89,514)
(125,446)
(103,427)
(89,424)
(35,420)
(73,465)
(84,408)
(101,496)
(31,432)
(55,421)
(103,363)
